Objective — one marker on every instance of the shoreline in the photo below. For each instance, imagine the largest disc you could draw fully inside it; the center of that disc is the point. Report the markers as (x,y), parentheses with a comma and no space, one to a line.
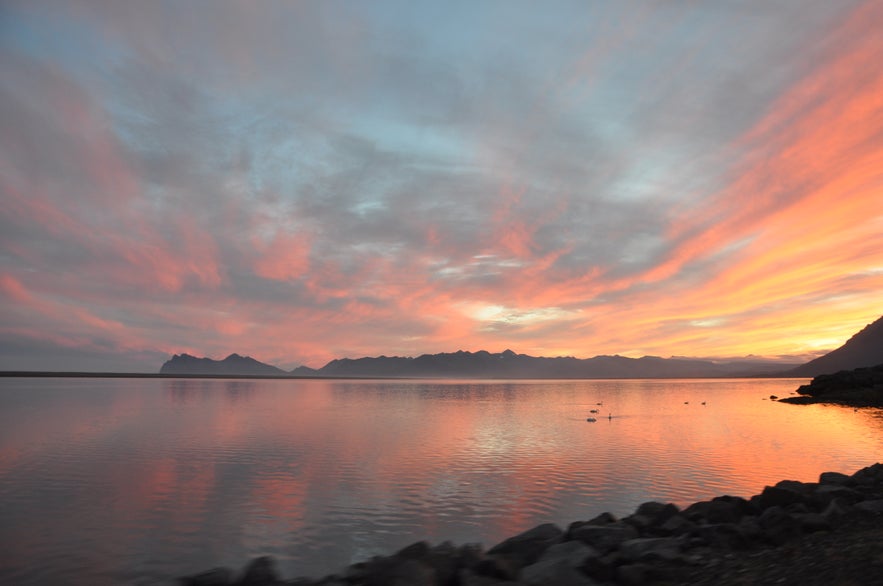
(798,532)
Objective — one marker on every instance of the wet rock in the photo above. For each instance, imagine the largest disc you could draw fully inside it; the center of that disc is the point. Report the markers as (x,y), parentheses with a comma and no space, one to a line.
(812,522)
(605,538)
(776,496)
(836,510)
(651,549)
(834,478)
(499,567)
(470,578)
(657,513)
(875,506)
(826,493)
(531,544)
(260,571)
(603,568)
(727,509)
(554,570)
(677,525)
(723,535)
(778,526)
(633,574)
(213,577)
(870,475)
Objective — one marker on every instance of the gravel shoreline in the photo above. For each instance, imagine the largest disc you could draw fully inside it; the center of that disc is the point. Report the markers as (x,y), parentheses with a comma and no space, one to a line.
(825,532)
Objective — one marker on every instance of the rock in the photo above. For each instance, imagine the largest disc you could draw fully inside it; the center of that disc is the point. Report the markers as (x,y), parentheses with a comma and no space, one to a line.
(213,577)
(651,549)
(605,538)
(676,525)
(723,535)
(803,488)
(602,519)
(470,578)
(554,570)
(497,567)
(576,553)
(603,568)
(836,510)
(727,509)
(826,493)
(657,512)
(778,526)
(812,522)
(834,478)
(632,574)
(773,496)
(261,571)
(871,475)
(529,545)
(875,506)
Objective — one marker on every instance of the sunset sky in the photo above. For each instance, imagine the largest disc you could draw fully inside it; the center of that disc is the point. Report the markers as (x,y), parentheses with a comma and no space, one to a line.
(300,181)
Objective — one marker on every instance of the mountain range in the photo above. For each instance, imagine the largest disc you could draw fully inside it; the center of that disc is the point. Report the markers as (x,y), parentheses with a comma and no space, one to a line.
(863,349)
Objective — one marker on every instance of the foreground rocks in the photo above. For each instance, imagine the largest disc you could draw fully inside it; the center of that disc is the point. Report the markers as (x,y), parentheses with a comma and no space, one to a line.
(825,532)
(862,387)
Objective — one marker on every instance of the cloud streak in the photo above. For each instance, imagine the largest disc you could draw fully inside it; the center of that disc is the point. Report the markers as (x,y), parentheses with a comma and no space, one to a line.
(306,181)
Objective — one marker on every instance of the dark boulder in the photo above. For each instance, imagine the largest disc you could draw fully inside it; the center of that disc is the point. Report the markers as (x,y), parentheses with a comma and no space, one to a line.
(529,545)
(605,538)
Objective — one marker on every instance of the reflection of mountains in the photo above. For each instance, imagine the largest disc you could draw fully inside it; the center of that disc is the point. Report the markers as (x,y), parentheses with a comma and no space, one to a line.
(184,392)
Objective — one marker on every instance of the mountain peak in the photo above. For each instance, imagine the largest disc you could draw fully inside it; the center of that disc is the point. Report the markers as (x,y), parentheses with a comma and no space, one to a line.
(864,349)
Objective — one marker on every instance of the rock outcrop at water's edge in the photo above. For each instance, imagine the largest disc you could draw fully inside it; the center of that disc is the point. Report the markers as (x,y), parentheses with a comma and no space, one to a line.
(861,387)
(824,532)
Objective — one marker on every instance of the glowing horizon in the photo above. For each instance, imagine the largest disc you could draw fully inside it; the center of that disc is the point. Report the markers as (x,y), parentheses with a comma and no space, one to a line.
(306,181)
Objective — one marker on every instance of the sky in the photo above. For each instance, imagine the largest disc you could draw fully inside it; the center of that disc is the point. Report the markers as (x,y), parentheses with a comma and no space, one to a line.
(301,181)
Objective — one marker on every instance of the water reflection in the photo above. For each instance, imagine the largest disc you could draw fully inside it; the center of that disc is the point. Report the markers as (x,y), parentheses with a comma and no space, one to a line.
(159,478)
(184,391)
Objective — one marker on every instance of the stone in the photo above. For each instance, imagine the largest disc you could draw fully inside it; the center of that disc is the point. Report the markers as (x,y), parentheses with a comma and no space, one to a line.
(826,493)
(836,510)
(576,553)
(261,571)
(603,568)
(722,535)
(875,506)
(834,478)
(470,578)
(778,526)
(773,496)
(554,570)
(499,567)
(605,538)
(632,574)
(803,488)
(530,545)
(213,577)
(657,513)
(812,522)
(727,509)
(651,549)
(677,525)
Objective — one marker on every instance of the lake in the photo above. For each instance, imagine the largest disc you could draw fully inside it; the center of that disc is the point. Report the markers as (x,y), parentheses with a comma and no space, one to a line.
(138,481)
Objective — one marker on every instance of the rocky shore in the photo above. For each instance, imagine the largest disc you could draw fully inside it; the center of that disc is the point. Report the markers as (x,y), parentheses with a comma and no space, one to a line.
(825,532)
(861,387)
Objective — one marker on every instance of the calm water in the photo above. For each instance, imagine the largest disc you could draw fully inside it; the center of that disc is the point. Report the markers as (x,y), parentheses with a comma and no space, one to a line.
(136,481)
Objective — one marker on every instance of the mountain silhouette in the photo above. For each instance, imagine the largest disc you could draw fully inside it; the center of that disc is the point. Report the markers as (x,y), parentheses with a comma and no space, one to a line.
(510,365)
(231,365)
(864,349)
